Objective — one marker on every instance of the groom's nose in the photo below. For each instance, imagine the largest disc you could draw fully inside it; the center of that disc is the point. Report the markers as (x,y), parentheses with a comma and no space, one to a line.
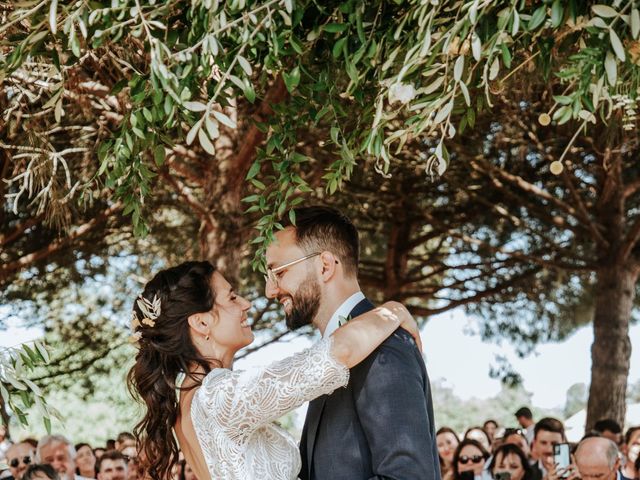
(270,290)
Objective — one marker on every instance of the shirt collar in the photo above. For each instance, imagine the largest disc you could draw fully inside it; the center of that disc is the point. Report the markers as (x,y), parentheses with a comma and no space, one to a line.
(541,467)
(343,311)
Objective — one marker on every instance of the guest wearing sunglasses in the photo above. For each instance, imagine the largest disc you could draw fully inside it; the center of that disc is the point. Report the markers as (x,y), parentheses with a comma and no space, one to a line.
(510,459)
(19,456)
(470,456)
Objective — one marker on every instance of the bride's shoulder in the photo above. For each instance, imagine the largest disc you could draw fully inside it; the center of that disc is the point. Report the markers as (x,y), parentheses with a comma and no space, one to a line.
(217,375)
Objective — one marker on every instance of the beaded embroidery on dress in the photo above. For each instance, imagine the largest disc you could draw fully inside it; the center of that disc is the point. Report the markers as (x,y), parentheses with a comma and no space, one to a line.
(233,413)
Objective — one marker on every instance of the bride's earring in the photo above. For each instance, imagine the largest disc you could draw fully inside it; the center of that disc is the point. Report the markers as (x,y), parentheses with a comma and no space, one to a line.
(206,338)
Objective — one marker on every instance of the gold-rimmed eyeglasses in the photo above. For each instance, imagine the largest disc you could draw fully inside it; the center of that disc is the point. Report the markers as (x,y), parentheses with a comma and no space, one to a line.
(272,277)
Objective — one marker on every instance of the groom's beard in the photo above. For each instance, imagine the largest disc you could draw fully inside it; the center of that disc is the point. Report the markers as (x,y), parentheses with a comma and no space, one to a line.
(305,304)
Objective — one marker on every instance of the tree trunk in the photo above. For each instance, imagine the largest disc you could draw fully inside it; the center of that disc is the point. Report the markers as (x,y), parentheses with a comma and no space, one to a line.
(224,234)
(611,349)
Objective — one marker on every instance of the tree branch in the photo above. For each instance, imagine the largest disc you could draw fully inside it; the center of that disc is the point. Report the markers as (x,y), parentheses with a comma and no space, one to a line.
(425,311)
(57,245)
(20,229)
(629,243)
(527,187)
(182,190)
(82,367)
(631,188)
(592,227)
(253,137)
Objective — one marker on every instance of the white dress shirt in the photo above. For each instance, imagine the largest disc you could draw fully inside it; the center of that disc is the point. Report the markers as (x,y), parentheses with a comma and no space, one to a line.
(343,311)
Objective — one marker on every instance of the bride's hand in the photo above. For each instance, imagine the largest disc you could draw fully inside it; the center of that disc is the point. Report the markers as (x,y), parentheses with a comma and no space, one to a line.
(406,320)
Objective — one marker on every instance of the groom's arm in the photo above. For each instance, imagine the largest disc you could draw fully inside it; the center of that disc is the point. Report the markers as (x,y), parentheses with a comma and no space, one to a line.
(389,394)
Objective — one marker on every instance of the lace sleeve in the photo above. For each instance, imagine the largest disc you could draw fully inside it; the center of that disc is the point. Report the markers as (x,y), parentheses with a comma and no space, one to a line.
(241,401)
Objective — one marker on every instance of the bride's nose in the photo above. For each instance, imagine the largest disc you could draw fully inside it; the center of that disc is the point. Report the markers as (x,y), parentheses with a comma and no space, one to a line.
(246,305)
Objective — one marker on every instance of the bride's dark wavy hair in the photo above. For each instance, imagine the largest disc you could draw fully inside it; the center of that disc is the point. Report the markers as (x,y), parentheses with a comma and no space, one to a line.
(166,349)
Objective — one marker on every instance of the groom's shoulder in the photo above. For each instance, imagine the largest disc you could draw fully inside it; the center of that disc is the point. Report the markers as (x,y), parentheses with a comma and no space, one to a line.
(400,341)
(398,352)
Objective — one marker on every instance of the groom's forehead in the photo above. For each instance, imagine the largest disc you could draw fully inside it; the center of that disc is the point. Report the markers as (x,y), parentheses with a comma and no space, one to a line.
(284,242)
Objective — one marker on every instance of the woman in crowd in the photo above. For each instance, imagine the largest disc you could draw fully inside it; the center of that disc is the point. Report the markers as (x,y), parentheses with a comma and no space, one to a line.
(517,436)
(509,458)
(85,461)
(479,435)
(40,472)
(469,460)
(490,427)
(447,440)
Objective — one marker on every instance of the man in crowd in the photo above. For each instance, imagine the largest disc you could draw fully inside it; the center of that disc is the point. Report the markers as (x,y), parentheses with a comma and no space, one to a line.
(597,459)
(58,452)
(125,439)
(547,432)
(126,444)
(631,452)
(18,457)
(112,466)
(610,429)
(525,419)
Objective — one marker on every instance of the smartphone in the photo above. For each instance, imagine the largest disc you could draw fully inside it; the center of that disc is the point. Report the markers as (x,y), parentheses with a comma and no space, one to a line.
(502,476)
(468,475)
(562,458)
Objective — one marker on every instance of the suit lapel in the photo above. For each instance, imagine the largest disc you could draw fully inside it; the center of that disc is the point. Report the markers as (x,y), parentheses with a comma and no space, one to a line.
(316,407)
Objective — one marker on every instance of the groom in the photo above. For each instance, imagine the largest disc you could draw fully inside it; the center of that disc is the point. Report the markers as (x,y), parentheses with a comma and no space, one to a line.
(380,426)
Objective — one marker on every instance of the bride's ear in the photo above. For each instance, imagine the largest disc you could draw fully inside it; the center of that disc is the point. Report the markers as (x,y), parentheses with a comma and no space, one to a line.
(200,324)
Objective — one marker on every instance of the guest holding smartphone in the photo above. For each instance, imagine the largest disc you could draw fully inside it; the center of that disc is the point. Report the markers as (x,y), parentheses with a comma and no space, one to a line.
(469,461)
(509,462)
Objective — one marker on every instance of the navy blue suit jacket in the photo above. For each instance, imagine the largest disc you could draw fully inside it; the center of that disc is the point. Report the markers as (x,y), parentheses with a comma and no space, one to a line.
(380,426)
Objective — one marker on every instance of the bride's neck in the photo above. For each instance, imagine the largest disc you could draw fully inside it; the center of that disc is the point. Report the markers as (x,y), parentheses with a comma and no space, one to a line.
(198,370)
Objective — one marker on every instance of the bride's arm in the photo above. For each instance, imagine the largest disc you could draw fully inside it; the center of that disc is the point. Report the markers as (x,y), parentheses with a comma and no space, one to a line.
(355,340)
(241,401)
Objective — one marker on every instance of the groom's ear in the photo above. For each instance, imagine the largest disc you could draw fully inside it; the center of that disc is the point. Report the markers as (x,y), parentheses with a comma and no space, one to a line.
(329,265)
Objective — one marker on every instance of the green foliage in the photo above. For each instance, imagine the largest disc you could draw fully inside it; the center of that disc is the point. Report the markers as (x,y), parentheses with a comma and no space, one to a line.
(18,392)
(453,412)
(85,416)
(410,70)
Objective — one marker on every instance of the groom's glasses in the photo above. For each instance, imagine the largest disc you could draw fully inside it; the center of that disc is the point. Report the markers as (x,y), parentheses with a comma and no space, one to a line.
(272,273)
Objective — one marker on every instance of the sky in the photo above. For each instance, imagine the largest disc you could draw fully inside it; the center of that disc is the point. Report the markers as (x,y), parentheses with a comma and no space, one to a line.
(449,343)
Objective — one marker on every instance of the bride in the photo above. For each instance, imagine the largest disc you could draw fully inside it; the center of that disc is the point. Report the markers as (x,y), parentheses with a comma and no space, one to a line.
(189,324)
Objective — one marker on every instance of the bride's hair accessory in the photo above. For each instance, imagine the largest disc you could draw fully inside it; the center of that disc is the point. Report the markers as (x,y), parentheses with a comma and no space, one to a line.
(151,312)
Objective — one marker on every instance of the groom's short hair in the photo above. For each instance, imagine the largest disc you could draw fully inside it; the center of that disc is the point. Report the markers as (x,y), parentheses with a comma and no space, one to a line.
(320,228)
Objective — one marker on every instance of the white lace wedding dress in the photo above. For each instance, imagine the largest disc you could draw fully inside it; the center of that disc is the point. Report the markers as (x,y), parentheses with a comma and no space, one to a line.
(233,413)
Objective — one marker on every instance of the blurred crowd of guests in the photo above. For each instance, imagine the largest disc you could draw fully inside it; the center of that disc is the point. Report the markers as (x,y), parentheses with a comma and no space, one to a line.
(529,452)
(489,452)
(55,457)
